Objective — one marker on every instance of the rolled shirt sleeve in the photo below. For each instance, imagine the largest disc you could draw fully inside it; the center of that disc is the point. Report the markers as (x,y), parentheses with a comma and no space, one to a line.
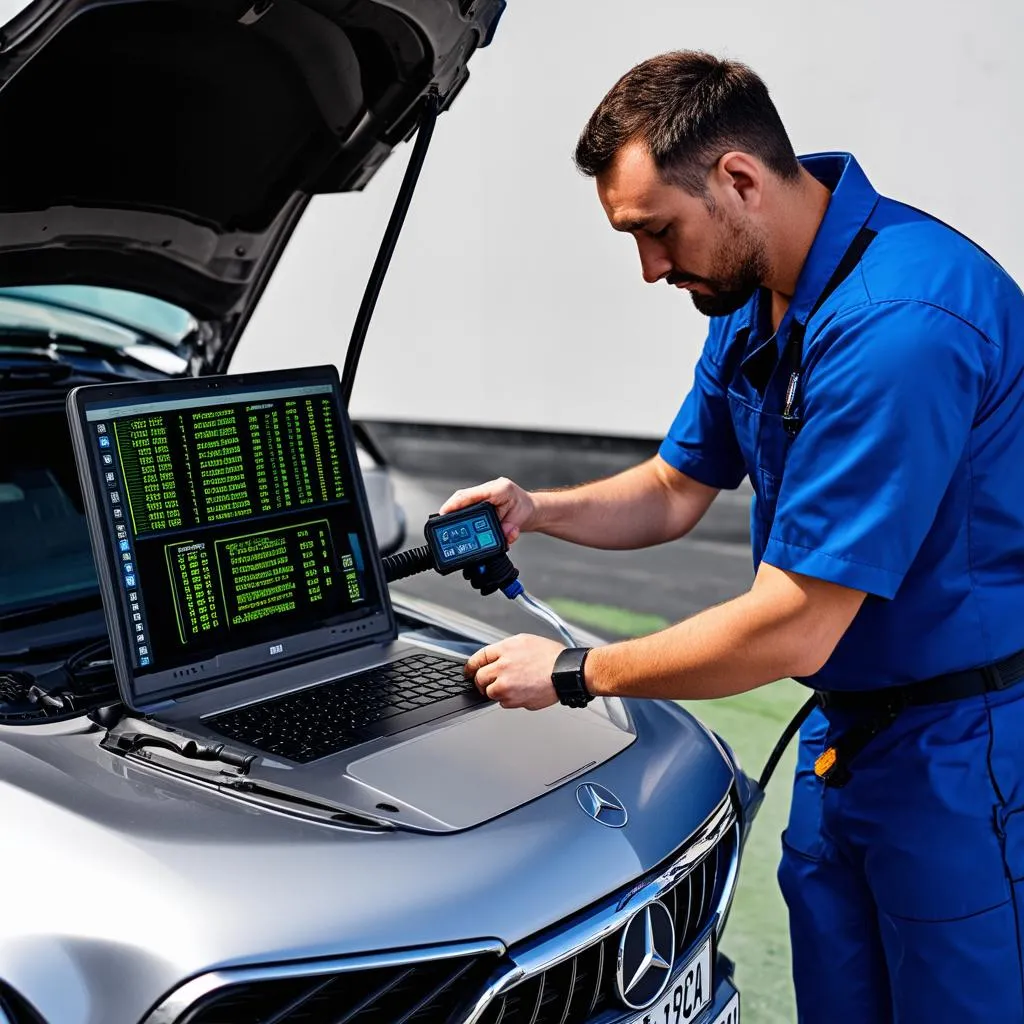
(887,415)
(702,441)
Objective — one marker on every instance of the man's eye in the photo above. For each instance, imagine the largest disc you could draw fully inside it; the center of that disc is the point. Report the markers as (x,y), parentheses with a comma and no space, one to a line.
(662,233)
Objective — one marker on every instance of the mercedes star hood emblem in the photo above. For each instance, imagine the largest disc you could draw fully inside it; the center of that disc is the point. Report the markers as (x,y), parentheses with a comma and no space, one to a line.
(602,805)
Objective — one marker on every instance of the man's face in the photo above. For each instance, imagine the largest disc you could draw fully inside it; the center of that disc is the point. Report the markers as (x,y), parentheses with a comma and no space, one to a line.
(719,255)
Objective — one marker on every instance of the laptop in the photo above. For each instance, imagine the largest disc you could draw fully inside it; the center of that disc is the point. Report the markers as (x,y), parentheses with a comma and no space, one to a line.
(241,582)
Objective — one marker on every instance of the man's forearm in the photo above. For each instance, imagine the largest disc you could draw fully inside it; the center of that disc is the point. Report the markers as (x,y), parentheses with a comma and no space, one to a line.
(785,626)
(645,505)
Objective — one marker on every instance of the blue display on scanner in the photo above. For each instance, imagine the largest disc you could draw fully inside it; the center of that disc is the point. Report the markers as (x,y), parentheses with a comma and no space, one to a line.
(465,537)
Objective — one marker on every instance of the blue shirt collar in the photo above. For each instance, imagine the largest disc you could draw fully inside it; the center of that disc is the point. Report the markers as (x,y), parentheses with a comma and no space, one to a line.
(852,203)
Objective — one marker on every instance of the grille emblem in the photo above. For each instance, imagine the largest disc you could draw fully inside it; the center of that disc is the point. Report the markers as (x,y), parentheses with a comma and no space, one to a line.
(602,805)
(646,950)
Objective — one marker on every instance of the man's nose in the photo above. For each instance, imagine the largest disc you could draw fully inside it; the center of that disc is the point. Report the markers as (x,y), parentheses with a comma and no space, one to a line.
(654,263)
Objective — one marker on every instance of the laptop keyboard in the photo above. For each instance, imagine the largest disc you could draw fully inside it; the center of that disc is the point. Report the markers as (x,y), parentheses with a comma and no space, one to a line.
(324,719)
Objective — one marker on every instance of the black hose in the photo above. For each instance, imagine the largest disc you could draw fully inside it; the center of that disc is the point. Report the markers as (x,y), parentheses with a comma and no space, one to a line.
(407,563)
(387,244)
(787,734)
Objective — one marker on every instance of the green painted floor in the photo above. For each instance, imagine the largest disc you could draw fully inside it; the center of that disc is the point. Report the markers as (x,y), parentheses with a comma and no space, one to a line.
(756,937)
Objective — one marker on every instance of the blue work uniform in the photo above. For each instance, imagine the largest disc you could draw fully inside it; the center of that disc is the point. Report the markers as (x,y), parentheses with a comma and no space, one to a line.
(893,464)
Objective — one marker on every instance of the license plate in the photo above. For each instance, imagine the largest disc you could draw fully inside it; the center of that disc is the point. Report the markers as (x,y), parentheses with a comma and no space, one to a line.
(689,994)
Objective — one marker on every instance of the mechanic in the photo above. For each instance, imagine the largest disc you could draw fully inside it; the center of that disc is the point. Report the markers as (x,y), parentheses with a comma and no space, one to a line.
(864,368)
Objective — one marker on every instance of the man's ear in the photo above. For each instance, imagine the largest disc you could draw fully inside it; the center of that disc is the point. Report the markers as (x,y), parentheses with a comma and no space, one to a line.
(739,178)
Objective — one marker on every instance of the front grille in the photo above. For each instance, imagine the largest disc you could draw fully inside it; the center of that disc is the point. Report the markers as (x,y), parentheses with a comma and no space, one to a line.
(416,993)
(584,985)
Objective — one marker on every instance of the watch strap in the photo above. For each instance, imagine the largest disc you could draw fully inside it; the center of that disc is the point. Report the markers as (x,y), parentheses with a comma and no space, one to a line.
(567,677)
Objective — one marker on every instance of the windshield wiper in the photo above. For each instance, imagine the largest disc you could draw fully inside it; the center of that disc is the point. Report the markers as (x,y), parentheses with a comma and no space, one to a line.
(130,742)
(267,794)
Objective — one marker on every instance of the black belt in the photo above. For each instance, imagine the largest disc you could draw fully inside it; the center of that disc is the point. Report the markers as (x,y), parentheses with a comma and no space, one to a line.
(953,686)
(881,708)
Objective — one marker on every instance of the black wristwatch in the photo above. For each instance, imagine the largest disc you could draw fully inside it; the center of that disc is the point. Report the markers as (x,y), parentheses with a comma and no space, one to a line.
(567,677)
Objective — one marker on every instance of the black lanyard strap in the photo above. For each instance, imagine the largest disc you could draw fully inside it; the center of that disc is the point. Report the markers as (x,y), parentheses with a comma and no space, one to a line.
(794,354)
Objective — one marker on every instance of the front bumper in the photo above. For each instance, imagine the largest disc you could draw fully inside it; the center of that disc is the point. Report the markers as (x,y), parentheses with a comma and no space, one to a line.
(725,990)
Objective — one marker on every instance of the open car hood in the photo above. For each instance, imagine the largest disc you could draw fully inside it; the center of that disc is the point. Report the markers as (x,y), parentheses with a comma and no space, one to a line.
(170,146)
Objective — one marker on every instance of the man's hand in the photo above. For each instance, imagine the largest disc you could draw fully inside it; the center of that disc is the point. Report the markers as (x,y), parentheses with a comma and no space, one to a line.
(516,507)
(517,672)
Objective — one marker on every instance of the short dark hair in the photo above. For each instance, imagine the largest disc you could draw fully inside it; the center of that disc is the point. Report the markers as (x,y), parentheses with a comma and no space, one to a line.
(688,108)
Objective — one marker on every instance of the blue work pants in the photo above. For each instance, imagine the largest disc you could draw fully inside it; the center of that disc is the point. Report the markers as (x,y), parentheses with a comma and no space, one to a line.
(905,888)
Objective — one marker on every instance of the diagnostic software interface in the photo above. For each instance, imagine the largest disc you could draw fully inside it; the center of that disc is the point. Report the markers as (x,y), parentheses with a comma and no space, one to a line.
(233,520)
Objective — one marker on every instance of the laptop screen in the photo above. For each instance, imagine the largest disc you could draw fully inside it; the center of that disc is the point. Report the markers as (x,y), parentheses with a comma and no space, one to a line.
(229,524)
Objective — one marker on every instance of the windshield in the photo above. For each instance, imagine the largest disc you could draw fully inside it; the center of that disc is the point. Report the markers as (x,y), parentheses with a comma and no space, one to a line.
(44,541)
(141,312)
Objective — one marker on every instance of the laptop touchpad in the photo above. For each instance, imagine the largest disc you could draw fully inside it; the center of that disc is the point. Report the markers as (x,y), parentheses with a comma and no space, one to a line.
(483,765)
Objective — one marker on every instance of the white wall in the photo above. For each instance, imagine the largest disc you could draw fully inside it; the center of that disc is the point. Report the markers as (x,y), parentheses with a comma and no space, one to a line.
(507,268)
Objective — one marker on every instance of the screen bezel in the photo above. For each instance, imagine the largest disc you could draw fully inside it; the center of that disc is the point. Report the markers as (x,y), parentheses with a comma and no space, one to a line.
(156,687)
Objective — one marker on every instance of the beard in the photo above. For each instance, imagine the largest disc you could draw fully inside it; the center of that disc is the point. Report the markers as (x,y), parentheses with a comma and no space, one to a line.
(739,267)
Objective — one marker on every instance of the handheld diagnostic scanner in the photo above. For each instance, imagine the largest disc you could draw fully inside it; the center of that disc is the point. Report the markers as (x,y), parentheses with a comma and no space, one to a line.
(465,537)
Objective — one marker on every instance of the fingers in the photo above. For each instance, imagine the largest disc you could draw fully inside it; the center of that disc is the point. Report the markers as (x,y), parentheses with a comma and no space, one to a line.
(483,667)
(514,505)
(516,672)
(486,655)
(497,691)
(492,491)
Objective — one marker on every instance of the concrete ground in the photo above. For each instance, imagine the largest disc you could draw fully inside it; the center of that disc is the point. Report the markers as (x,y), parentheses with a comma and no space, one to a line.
(621,594)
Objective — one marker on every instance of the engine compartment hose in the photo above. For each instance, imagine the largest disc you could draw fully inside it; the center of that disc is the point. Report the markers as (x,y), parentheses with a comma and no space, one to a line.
(407,563)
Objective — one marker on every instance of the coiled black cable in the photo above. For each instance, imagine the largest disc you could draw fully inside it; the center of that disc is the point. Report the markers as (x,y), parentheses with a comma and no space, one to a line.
(407,563)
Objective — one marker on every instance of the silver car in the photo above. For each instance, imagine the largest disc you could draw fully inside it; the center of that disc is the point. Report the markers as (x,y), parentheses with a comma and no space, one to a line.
(554,868)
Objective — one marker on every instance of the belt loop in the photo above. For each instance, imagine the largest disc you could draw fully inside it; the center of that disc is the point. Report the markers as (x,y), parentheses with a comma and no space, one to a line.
(993,678)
